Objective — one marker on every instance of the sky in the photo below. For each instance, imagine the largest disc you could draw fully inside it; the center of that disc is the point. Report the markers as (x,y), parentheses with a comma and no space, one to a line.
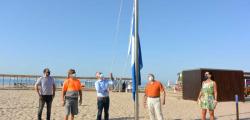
(93,35)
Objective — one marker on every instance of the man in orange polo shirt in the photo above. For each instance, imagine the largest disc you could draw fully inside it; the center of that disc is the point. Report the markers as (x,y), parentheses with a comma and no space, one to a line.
(152,99)
(70,92)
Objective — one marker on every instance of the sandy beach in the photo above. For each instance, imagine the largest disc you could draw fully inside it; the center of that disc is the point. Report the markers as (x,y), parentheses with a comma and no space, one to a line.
(23,105)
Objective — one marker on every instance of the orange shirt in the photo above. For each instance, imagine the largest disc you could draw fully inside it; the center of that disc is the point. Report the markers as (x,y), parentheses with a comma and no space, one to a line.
(71,85)
(154,89)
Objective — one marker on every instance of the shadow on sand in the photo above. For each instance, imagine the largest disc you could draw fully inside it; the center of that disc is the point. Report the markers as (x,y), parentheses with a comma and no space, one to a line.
(221,116)
(125,118)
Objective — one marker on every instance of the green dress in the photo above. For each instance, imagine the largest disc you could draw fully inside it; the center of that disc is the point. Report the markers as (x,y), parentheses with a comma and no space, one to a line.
(207,96)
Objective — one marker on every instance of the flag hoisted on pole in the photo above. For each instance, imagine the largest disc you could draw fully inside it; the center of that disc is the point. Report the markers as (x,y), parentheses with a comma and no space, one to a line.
(132,52)
(136,58)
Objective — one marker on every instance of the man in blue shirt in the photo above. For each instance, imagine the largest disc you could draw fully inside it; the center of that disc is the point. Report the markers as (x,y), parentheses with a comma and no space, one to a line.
(102,89)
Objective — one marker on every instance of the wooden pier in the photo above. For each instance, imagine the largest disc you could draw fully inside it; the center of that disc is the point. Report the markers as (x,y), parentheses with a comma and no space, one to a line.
(16,81)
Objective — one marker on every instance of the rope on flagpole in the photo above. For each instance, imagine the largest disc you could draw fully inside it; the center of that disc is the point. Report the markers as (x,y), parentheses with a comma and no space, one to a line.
(116,35)
(127,58)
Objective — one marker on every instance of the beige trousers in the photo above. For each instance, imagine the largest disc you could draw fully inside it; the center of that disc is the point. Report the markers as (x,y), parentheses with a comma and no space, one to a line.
(154,108)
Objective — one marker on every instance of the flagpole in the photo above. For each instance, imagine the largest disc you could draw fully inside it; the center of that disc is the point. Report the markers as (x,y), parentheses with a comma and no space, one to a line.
(136,60)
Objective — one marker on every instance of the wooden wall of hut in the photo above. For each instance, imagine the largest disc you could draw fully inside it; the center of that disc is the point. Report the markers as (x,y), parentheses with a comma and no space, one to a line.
(229,83)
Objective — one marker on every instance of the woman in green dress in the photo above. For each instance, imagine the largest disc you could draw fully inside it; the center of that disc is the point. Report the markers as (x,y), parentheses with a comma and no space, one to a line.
(208,96)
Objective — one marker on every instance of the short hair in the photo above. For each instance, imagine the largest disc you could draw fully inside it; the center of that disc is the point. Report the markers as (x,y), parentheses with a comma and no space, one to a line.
(152,75)
(71,71)
(45,70)
(98,73)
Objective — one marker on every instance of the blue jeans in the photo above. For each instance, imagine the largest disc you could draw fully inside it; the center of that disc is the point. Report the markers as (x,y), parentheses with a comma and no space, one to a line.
(103,103)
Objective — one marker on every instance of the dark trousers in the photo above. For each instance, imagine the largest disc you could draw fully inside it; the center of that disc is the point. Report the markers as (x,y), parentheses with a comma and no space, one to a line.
(42,100)
(103,103)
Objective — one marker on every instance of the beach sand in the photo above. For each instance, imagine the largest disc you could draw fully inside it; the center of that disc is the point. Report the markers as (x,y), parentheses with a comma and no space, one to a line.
(23,105)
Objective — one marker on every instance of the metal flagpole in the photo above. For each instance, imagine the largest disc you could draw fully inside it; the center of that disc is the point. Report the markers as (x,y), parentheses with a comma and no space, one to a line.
(136,60)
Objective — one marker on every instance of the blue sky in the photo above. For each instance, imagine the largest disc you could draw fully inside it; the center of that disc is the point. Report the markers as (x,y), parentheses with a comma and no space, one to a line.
(81,34)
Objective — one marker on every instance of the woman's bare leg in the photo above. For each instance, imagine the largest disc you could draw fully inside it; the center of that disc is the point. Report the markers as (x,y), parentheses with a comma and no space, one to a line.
(66,117)
(211,112)
(203,114)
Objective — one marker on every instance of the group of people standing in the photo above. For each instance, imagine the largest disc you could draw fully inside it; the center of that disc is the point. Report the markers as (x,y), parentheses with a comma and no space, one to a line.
(154,96)
(207,98)
(72,94)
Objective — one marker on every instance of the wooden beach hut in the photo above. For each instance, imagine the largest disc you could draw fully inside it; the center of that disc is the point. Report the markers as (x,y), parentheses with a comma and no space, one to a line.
(229,83)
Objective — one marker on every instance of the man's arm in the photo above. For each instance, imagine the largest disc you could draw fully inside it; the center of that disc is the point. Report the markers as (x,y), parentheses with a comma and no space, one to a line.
(54,88)
(111,82)
(163,94)
(37,89)
(36,86)
(80,94)
(63,97)
(111,76)
(164,97)
(64,89)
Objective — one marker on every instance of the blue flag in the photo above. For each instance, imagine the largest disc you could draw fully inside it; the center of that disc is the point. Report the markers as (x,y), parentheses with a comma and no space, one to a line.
(132,53)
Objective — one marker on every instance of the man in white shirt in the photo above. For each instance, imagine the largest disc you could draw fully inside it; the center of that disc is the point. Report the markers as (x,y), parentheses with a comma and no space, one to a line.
(45,88)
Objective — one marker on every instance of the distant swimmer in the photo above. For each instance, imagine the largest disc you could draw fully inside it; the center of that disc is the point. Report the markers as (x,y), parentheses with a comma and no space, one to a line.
(45,87)
(71,91)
